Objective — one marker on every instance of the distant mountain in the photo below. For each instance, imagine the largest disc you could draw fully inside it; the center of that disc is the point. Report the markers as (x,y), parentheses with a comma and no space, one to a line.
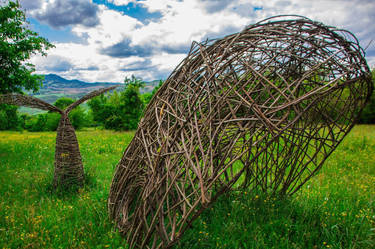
(55,82)
(55,86)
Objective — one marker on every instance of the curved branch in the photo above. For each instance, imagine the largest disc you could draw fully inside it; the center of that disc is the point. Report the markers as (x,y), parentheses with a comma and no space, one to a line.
(88,96)
(24,100)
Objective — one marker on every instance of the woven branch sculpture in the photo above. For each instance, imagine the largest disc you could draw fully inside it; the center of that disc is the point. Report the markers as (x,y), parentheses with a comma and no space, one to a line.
(68,163)
(259,110)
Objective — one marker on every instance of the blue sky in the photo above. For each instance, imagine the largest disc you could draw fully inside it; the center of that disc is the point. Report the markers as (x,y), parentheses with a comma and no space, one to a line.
(107,40)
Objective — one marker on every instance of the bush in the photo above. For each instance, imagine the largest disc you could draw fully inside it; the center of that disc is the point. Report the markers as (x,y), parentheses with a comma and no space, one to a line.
(9,119)
(52,121)
(368,113)
(49,121)
(77,116)
(119,111)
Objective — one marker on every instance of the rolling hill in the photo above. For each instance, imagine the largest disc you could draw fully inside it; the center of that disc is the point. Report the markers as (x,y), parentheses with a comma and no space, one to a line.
(55,86)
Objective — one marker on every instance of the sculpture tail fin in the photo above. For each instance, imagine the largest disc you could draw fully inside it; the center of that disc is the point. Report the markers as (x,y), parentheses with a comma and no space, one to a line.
(24,100)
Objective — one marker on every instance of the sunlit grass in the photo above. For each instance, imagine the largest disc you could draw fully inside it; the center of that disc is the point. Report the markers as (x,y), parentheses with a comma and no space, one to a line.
(335,209)
(32,216)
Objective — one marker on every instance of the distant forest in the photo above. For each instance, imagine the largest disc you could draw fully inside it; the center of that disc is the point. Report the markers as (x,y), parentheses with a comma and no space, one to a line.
(120,110)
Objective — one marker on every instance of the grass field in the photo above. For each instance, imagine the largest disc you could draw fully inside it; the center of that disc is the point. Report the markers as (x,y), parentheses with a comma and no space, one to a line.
(336,209)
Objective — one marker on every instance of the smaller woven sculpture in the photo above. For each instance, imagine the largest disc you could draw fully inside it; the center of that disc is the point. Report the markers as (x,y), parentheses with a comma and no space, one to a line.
(259,110)
(68,163)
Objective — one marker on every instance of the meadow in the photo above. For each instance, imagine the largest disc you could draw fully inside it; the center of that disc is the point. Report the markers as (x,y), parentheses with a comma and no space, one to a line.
(335,209)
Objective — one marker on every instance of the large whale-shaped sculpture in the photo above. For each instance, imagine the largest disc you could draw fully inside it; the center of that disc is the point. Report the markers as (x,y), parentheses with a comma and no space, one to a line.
(261,110)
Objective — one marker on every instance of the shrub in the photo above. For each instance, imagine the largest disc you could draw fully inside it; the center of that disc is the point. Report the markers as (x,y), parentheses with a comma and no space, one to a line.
(368,113)
(119,111)
(9,119)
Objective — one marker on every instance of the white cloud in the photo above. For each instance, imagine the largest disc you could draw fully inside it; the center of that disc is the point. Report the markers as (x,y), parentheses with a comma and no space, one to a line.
(158,46)
(120,2)
(112,28)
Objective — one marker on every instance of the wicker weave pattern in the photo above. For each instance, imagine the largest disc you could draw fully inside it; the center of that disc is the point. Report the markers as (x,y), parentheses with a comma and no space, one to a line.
(261,109)
(68,162)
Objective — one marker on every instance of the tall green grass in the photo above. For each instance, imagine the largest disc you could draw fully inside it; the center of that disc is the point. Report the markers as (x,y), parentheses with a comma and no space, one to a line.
(335,209)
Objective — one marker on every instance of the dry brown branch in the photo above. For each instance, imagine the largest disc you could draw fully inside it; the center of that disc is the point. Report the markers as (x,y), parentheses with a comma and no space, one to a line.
(68,163)
(261,109)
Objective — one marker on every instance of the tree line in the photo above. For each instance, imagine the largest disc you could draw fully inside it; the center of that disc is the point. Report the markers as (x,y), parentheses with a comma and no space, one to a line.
(119,110)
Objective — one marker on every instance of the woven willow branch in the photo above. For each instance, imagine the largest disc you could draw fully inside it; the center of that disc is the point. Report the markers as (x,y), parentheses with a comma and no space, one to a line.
(258,110)
(68,163)
(29,101)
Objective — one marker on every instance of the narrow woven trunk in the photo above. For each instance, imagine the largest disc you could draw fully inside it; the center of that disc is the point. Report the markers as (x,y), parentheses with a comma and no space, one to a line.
(68,162)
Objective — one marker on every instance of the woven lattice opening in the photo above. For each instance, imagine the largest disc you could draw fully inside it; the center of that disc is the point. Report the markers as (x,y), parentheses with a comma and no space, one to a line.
(68,162)
(260,109)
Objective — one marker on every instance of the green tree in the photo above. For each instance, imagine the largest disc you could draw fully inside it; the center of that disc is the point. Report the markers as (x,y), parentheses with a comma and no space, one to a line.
(17,44)
(8,117)
(63,102)
(131,106)
(134,82)
(368,113)
(119,111)
(77,116)
(101,109)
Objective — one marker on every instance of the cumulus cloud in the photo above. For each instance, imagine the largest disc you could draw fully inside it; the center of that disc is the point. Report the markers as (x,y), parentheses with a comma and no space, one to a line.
(138,66)
(176,48)
(88,68)
(121,2)
(119,45)
(125,49)
(54,63)
(61,13)
(31,5)
(113,28)
(213,6)
(356,16)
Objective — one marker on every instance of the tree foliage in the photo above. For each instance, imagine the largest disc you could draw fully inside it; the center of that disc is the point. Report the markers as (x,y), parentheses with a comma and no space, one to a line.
(17,44)
(9,119)
(49,121)
(119,110)
(368,113)
(130,107)
(63,102)
(77,116)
